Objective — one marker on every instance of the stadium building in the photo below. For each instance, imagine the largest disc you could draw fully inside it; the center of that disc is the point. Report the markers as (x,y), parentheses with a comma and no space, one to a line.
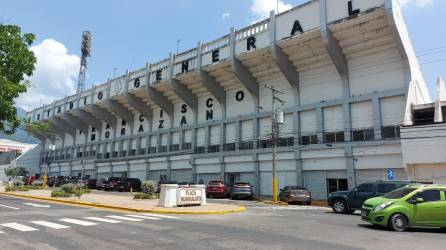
(350,78)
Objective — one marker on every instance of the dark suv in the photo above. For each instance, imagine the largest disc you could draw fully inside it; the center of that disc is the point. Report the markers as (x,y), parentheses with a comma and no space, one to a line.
(346,202)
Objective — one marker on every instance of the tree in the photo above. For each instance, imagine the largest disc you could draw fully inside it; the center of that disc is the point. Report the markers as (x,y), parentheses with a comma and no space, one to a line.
(37,129)
(13,172)
(17,61)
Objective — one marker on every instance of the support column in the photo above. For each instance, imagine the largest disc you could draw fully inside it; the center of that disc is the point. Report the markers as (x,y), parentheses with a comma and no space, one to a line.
(377,122)
(350,167)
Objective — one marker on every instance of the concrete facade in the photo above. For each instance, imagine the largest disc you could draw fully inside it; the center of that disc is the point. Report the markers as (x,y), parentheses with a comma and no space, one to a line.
(205,113)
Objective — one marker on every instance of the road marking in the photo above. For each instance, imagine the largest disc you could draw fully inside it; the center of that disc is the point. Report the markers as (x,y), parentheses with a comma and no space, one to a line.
(78,222)
(102,219)
(1,232)
(19,227)
(123,218)
(36,205)
(49,224)
(143,217)
(163,216)
(15,208)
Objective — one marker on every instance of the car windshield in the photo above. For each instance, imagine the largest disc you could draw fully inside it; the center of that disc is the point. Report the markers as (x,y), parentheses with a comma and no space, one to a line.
(400,193)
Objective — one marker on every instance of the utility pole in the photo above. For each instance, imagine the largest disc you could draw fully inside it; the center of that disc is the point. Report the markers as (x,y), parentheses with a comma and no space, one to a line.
(274,135)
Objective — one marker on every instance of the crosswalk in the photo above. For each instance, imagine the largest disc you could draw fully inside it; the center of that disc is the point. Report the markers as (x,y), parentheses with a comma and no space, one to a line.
(65,223)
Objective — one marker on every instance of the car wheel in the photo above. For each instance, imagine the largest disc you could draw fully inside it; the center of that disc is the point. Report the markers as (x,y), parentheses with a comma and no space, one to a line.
(399,222)
(339,206)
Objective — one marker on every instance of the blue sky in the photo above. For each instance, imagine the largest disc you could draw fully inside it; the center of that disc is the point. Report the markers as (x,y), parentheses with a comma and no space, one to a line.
(126,34)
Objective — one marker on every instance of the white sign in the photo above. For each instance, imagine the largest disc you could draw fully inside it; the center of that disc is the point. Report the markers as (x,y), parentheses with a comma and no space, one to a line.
(189,196)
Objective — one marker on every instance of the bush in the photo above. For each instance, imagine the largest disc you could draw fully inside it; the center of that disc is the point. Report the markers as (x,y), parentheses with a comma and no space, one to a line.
(37,184)
(58,192)
(148,187)
(142,196)
(68,188)
(12,188)
(80,191)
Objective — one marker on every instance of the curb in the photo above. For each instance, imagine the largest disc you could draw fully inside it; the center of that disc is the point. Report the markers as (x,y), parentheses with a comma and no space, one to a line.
(97,205)
(279,203)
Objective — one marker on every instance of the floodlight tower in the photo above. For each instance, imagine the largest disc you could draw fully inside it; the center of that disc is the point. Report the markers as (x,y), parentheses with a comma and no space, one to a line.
(85,49)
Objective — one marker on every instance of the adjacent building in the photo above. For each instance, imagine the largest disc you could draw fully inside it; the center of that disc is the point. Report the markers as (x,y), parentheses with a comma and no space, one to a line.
(346,68)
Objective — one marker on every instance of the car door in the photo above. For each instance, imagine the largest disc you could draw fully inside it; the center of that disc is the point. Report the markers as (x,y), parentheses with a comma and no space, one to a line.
(430,212)
(361,193)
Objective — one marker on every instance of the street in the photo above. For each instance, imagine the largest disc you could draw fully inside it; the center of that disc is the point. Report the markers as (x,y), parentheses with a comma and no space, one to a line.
(26,224)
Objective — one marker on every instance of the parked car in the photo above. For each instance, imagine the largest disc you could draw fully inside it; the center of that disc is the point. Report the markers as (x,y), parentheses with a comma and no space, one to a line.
(216,189)
(102,184)
(90,183)
(126,184)
(413,205)
(295,194)
(346,202)
(28,180)
(242,190)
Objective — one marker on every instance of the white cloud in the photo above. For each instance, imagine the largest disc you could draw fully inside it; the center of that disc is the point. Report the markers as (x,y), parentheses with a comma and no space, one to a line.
(225,16)
(419,3)
(261,8)
(55,75)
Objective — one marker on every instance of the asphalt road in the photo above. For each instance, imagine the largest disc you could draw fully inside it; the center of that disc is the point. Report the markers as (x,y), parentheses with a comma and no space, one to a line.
(39,225)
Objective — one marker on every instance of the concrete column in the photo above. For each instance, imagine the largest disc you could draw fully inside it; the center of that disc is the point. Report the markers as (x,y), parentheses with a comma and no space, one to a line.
(255,159)
(377,122)
(350,166)
(320,125)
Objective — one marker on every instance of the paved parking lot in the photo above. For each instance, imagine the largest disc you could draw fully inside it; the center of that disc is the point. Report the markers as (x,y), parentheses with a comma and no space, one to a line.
(28,224)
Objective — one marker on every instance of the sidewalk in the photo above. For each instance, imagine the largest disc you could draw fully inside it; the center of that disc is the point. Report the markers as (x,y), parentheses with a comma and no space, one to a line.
(126,202)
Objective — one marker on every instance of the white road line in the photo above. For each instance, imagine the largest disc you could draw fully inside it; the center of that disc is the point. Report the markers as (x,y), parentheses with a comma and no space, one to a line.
(102,219)
(123,218)
(143,217)
(36,205)
(19,227)
(2,232)
(78,222)
(49,224)
(15,208)
(163,216)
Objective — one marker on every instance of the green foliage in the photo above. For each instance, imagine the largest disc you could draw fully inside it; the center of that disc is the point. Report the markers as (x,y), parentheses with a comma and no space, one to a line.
(13,172)
(17,61)
(68,188)
(37,184)
(40,128)
(12,188)
(143,196)
(58,192)
(148,187)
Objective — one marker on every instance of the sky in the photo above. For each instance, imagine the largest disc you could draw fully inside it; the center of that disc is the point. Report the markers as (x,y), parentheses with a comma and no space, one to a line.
(127,34)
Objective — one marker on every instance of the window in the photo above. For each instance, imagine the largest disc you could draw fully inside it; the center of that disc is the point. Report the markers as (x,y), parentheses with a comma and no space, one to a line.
(115,154)
(187,146)
(308,139)
(163,148)
(200,150)
(332,137)
(123,153)
(365,188)
(363,135)
(390,132)
(384,188)
(285,142)
(152,150)
(428,195)
(141,151)
(214,148)
(265,143)
(175,147)
(244,145)
(229,147)
(334,185)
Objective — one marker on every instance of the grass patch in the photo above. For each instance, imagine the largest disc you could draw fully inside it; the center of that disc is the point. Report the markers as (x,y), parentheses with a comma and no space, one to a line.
(12,188)
(143,196)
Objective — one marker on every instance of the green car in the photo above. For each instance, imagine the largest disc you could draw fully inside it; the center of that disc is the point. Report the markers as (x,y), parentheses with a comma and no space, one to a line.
(412,205)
